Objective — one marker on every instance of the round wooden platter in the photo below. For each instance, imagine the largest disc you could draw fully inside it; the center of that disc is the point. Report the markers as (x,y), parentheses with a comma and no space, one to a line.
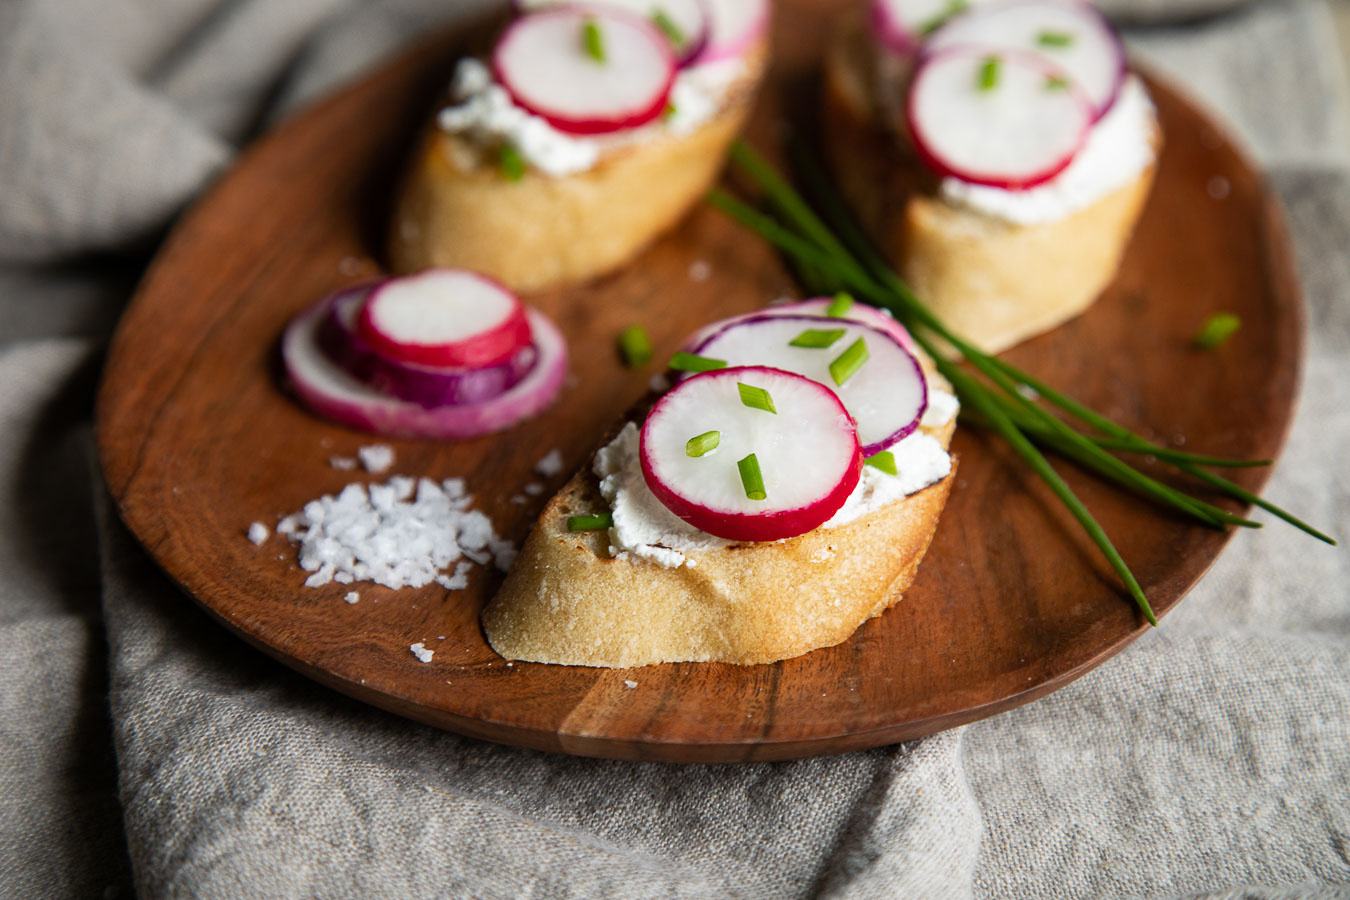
(199,438)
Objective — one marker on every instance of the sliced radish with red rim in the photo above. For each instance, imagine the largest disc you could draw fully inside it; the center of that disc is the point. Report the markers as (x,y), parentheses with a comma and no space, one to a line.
(819,306)
(1069,34)
(737,26)
(444,317)
(902,25)
(1002,118)
(337,395)
(427,386)
(685,23)
(886,395)
(801,462)
(587,70)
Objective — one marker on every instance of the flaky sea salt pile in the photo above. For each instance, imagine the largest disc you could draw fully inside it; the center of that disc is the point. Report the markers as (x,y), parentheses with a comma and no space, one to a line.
(406,533)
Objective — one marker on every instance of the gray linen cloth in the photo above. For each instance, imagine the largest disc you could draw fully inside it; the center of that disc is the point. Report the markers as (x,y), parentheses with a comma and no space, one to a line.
(144,750)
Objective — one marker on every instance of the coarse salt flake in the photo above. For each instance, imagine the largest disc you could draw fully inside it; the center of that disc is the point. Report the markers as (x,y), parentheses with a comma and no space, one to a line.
(376,458)
(420,651)
(630,684)
(258,532)
(352,597)
(550,465)
(342,463)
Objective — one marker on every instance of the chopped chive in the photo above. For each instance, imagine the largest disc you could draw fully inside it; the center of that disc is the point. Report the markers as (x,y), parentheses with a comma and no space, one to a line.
(1217,329)
(847,364)
(692,362)
(511,162)
(756,397)
(590,523)
(988,79)
(933,24)
(1056,82)
(752,478)
(839,306)
(885,461)
(635,346)
(701,444)
(818,338)
(593,39)
(668,27)
(1054,39)
(670,111)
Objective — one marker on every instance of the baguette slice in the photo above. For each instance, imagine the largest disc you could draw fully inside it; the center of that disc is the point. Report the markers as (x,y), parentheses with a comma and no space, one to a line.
(457,209)
(991,281)
(566,601)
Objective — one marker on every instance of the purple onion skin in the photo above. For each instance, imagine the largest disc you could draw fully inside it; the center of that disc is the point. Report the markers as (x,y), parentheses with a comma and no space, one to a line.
(426,386)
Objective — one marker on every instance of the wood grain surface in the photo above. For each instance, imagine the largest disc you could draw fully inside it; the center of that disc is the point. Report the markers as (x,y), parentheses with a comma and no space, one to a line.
(199,438)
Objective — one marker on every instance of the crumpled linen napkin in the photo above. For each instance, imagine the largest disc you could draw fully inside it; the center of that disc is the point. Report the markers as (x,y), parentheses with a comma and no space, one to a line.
(1210,759)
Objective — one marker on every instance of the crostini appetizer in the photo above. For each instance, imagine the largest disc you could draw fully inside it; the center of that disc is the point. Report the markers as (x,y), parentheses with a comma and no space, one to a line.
(780,495)
(584,133)
(1000,156)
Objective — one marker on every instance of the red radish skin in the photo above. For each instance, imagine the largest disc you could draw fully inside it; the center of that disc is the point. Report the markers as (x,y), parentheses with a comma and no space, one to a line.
(808,452)
(948,117)
(541,61)
(900,24)
(817,306)
(1094,58)
(737,26)
(424,385)
(446,318)
(335,395)
(886,397)
(690,16)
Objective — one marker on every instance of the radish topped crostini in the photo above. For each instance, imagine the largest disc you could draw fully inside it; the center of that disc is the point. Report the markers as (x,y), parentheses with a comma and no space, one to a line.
(581,134)
(771,502)
(1000,155)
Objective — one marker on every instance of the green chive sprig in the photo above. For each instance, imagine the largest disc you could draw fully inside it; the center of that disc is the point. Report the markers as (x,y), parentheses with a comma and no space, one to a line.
(1216,331)
(635,346)
(840,305)
(673,32)
(988,77)
(818,338)
(702,444)
(885,461)
(598,522)
(845,255)
(752,478)
(593,40)
(756,397)
(1055,39)
(511,163)
(847,364)
(692,362)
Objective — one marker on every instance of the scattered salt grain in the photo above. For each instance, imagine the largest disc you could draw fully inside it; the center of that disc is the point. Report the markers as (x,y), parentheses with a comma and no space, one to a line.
(658,384)
(376,458)
(420,651)
(1218,187)
(534,489)
(258,532)
(405,533)
(342,463)
(352,597)
(458,581)
(630,684)
(699,270)
(550,465)
(520,499)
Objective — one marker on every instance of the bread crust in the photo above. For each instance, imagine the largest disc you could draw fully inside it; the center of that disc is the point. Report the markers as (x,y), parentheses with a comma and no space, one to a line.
(566,601)
(455,208)
(991,281)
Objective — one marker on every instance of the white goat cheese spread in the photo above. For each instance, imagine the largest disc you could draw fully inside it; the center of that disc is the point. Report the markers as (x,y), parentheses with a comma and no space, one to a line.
(644,529)
(482,111)
(1119,148)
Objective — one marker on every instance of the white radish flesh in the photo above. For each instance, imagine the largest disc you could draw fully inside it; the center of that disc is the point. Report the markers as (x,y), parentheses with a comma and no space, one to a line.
(1069,34)
(1000,118)
(737,26)
(690,19)
(901,25)
(543,62)
(858,312)
(428,386)
(335,394)
(444,317)
(807,454)
(887,396)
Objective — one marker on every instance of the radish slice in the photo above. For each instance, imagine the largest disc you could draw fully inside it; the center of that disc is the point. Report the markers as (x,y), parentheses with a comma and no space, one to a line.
(886,396)
(690,19)
(1069,34)
(426,386)
(542,61)
(1005,119)
(335,394)
(737,26)
(902,25)
(445,318)
(807,454)
(858,312)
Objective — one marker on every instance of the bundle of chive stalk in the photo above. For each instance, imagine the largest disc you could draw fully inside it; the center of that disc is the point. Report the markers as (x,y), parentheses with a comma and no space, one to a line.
(843,259)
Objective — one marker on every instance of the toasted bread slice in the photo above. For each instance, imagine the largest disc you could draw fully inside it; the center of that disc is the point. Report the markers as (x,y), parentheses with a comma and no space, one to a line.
(991,281)
(456,208)
(567,601)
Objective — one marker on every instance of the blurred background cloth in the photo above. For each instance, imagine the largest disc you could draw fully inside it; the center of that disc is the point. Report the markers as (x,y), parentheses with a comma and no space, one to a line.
(142,749)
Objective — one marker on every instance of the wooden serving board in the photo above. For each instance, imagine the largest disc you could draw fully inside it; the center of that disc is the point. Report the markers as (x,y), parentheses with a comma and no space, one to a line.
(199,438)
